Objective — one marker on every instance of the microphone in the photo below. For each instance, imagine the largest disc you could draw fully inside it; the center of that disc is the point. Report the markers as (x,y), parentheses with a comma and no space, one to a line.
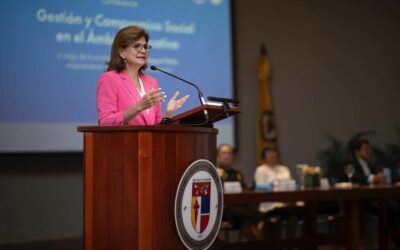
(222,99)
(200,94)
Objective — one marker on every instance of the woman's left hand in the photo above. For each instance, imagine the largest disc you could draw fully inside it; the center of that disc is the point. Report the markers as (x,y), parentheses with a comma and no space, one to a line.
(174,104)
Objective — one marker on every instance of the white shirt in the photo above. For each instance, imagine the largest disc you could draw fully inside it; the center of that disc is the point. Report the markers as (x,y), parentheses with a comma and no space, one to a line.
(265,174)
(366,170)
(142,92)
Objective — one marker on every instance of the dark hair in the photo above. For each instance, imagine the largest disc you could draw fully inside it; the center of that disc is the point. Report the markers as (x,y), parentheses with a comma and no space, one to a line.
(359,143)
(125,37)
(225,145)
(265,151)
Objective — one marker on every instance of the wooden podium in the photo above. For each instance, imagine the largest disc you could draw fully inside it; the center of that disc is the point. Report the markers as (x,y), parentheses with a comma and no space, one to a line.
(130,178)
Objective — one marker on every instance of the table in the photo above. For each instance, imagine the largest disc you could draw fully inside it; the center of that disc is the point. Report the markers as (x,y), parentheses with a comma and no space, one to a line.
(351,197)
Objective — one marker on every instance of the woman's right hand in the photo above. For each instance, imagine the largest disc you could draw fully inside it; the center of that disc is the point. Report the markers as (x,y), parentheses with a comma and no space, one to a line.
(150,99)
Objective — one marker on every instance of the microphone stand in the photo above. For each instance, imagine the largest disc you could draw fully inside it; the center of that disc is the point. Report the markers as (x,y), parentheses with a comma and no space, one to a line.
(199,93)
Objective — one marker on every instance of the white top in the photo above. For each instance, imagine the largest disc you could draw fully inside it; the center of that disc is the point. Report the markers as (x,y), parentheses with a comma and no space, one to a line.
(265,174)
(142,92)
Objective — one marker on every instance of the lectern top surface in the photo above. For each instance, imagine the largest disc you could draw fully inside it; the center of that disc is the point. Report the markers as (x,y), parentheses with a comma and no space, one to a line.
(152,128)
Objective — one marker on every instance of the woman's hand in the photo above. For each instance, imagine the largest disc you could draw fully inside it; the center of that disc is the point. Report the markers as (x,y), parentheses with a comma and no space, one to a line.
(150,99)
(174,104)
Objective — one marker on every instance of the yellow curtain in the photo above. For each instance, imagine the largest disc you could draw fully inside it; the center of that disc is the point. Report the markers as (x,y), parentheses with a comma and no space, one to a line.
(266,129)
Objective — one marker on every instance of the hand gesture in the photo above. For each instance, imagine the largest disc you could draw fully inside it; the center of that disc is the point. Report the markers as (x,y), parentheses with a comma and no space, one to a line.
(150,99)
(174,104)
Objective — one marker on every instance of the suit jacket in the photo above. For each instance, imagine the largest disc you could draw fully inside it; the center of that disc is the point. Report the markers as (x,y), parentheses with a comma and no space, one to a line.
(359,175)
(116,92)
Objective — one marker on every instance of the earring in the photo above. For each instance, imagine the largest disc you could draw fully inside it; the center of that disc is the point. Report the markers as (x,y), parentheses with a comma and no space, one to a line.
(125,61)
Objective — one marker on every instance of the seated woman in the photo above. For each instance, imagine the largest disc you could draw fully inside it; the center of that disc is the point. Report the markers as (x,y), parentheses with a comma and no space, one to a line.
(272,172)
(125,94)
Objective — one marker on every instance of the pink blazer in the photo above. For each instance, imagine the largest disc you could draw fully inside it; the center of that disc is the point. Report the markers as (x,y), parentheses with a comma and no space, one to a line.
(116,92)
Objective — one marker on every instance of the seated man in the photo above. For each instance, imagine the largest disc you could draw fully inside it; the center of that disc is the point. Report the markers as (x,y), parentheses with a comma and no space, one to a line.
(225,170)
(364,172)
(236,216)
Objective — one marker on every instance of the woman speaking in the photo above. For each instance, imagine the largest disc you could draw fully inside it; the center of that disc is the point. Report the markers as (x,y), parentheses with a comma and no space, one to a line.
(126,95)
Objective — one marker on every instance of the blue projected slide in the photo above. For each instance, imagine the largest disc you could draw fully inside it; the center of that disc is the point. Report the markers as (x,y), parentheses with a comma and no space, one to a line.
(52,53)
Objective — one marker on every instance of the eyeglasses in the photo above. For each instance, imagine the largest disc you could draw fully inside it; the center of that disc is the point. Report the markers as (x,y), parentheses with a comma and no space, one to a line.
(138,47)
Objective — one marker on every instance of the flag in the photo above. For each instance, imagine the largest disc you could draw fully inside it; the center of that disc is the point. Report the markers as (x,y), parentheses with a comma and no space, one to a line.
(266,129)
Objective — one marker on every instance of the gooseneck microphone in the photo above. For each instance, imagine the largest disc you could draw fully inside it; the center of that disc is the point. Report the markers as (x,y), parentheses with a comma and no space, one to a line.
(200,94)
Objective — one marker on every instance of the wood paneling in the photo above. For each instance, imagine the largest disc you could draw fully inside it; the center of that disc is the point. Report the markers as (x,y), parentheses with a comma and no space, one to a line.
(131,176)
(351,197)
(130,191)
(355,193)
(100,191)
(88,190)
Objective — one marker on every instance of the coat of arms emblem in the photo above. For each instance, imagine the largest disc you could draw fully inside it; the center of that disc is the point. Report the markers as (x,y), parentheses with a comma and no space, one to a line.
(198,205)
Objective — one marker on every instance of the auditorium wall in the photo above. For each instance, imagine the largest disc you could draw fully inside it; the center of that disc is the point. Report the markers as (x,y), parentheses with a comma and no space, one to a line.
(335,69)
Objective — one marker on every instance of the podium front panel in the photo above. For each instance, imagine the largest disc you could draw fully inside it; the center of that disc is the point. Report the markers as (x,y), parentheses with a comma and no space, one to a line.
(131,175)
